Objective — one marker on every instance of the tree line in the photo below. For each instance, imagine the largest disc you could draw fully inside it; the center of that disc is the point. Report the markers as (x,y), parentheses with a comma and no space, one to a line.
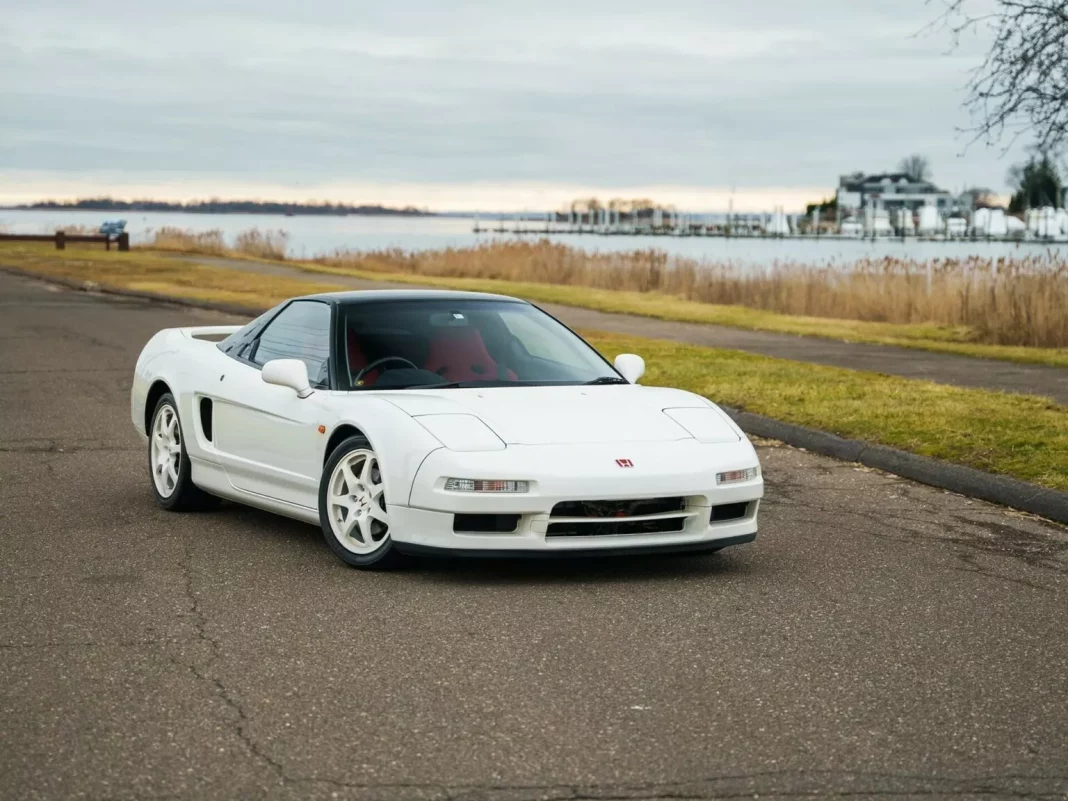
(216,206)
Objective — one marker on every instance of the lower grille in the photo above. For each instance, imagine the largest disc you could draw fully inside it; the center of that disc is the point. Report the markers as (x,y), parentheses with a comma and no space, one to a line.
(627,508)
(609,528)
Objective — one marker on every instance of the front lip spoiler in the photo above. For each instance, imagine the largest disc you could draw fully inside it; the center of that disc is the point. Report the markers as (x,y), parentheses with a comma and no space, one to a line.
(584,553)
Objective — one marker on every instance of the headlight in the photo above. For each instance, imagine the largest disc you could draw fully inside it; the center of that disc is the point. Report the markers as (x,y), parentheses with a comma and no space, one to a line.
(461,432)
(737,476)
(705,424)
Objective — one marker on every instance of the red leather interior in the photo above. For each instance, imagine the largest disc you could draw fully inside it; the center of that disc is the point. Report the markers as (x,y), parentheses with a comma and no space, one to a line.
(459,354)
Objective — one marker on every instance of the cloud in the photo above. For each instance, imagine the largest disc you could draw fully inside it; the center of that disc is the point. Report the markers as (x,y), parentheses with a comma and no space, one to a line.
(443,98)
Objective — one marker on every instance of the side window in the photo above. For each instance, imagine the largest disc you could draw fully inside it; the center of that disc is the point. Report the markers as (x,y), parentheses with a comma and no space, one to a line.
(301,331)
(241,337)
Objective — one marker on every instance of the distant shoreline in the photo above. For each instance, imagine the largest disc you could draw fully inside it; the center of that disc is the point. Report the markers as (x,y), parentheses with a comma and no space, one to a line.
(224,207)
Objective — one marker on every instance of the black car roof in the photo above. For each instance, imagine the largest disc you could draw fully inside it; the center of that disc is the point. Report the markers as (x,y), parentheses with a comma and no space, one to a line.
(382,295)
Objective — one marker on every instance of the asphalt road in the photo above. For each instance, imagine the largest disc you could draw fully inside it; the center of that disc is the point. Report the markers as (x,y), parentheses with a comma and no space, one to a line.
(879,638)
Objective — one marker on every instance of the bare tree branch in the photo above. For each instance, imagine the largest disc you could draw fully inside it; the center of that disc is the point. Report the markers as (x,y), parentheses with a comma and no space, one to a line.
(1022,83)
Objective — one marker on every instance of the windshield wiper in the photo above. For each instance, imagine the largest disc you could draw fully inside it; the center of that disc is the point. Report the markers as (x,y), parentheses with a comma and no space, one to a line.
(462,384)
(606,379)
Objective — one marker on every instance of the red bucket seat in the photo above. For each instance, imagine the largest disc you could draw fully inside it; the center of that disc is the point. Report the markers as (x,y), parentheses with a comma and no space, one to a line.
(459,354)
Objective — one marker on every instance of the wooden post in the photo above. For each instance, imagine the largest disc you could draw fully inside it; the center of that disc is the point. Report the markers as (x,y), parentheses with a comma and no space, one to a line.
(124,242)
(61,240)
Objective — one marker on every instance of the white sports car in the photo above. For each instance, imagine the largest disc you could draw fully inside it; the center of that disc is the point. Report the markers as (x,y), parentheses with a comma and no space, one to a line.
(411,422)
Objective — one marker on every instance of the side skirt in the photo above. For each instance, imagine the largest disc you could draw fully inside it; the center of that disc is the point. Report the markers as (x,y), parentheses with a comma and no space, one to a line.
(212,478)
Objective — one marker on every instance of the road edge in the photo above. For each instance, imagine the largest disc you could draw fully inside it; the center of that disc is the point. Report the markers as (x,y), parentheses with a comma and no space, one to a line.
(1021,495)
(157,297)
(1048,503)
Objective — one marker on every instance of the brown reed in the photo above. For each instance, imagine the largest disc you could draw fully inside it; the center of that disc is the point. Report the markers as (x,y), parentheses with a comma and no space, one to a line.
(1018,300)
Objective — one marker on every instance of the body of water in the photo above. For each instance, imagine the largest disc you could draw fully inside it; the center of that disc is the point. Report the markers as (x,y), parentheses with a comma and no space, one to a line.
(313,236)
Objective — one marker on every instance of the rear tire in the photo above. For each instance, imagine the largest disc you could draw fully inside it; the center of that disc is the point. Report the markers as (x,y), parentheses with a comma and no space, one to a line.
(352,508)
(168,462)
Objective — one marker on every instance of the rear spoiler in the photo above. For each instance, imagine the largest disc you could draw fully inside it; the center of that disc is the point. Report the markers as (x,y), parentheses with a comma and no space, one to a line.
(210,332)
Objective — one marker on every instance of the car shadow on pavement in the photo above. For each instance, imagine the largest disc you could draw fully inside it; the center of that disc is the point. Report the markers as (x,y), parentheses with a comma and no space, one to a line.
(243,521)
(593,569)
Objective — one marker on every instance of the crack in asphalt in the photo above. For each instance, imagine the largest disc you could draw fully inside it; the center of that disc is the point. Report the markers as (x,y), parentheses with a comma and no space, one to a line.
(677,790)
(90,644)
(754,785)
(68,449)
(200,627)
(52,446)
(66,370)
(233,703)
(974,567)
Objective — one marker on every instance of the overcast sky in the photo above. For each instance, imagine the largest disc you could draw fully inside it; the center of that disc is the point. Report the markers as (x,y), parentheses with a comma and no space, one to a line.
(490,104)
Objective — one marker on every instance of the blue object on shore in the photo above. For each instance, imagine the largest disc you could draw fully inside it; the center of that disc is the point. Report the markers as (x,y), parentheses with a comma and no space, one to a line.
(113,227)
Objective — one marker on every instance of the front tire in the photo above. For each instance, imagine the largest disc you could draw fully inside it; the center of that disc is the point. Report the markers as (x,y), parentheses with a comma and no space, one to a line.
(168,462)
(352,507)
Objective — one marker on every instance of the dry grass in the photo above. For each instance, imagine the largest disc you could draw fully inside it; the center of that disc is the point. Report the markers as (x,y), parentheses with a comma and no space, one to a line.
(1017,301)
(252,242)
(957,340)
(181,241)
(262,244)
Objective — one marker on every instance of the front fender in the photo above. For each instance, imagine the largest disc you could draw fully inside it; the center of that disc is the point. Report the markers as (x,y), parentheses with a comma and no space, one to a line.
(399,441)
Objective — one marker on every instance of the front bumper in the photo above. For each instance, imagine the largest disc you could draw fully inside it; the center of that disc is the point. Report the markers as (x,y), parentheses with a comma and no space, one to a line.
(558,473)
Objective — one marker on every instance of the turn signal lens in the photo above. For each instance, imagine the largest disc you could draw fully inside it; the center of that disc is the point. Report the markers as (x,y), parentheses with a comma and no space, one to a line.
(734,476)
(484,485)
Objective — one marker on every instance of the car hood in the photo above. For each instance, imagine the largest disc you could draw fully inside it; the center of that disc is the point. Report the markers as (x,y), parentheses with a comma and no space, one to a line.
(553,415)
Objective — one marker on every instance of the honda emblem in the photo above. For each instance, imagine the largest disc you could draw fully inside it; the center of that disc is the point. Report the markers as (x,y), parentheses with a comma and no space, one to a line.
(624,463)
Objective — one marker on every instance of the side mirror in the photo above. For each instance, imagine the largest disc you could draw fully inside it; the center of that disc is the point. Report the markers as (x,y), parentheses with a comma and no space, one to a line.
(630,366)
(292,373)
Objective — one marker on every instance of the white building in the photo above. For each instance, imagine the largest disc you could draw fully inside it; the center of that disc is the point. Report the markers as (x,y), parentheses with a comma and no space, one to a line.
(889,191)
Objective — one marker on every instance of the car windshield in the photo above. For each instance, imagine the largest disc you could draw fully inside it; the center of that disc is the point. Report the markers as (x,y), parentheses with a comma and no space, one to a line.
(462,343)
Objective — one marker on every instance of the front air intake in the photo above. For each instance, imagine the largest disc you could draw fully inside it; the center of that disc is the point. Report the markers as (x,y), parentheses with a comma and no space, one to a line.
(484,524)
(205,418)
(729,511)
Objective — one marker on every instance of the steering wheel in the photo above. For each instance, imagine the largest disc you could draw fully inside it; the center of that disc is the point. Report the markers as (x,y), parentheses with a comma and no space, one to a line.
(356,378)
